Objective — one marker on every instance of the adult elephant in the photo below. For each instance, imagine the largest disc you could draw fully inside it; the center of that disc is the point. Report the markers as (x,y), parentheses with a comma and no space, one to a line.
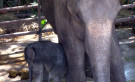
(86,26)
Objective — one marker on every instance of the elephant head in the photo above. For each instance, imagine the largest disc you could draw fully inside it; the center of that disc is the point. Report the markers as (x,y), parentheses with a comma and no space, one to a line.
(86,26)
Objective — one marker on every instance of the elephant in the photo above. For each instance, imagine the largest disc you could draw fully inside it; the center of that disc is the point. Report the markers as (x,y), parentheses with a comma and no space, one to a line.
(87,26)
(46,60)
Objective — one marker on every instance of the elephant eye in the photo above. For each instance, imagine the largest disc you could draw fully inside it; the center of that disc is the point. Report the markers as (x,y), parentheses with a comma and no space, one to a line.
(78,16)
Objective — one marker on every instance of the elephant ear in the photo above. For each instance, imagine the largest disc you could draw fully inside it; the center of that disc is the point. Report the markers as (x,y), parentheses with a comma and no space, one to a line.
(47,8)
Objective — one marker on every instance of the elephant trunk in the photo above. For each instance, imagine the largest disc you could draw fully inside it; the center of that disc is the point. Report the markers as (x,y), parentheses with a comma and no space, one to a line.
(98,43)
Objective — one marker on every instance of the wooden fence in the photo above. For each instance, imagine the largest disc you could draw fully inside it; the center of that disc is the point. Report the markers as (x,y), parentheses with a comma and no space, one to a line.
(4,10)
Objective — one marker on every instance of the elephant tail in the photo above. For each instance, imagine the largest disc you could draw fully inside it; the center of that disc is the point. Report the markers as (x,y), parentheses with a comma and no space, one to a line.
(29,53)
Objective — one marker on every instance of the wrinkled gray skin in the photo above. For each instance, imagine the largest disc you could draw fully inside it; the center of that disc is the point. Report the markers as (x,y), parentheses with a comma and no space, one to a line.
(46,60)
(86,26)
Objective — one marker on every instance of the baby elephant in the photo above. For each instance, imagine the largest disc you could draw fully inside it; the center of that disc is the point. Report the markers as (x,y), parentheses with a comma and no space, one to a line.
(46,60)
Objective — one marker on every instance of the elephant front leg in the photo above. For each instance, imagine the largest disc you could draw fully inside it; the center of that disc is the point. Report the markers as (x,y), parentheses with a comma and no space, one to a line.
(117,67)
(75,58)
(98,43)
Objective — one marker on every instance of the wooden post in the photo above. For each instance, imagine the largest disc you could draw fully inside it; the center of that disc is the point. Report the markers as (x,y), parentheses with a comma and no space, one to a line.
(39,20)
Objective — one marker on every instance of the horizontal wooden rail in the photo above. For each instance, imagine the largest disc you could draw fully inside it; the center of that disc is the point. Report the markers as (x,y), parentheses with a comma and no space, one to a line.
(20,20)
(127,6)
(16,8)
(127,19)
(23,33)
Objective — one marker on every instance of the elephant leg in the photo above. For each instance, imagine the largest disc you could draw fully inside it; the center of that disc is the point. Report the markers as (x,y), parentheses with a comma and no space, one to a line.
(75,58)
(45,75)
(30,65)
(38,72)
(57,80)
(117,67)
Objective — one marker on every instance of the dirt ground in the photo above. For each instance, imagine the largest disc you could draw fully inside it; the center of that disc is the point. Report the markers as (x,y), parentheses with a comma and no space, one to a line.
(12,57)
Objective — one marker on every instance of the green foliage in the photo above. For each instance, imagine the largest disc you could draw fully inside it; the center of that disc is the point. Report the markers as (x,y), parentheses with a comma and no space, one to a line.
(43,22)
